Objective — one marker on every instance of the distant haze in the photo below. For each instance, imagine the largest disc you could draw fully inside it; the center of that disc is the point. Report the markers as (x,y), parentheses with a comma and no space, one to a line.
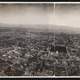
(66,15)
(25,13)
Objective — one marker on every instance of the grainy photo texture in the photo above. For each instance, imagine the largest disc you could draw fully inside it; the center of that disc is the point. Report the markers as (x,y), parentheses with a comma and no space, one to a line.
(40,39)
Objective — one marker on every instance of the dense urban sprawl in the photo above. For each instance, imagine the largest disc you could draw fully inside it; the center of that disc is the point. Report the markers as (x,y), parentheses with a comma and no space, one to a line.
(25,53)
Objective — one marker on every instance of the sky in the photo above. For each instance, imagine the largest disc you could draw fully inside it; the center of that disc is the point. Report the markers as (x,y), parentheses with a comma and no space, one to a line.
(25,13)
(42,14)
(67,14)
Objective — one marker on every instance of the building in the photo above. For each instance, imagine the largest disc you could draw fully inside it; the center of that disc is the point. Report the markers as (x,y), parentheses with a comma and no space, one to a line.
(58,48)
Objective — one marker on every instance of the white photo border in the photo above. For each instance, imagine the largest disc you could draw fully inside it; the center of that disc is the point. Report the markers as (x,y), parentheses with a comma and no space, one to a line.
(35,4)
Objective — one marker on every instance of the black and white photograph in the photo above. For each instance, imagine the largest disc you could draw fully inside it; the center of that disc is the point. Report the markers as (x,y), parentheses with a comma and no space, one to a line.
(40,39)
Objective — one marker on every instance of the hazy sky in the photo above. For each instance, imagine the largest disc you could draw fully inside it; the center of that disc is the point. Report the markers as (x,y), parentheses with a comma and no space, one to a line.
(67,14)
(62,14)
(25,13)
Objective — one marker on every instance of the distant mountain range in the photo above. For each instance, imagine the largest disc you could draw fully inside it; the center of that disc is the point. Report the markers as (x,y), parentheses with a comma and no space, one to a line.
(41,28)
